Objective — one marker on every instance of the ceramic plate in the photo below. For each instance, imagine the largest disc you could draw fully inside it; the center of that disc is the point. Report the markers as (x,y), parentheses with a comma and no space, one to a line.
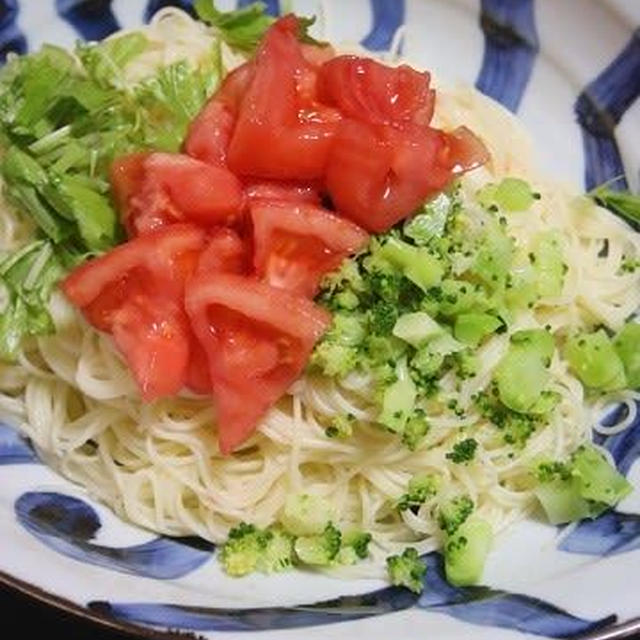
(571,70)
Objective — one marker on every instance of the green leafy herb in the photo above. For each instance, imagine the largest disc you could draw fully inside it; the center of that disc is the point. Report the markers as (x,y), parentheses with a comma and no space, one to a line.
(623,203)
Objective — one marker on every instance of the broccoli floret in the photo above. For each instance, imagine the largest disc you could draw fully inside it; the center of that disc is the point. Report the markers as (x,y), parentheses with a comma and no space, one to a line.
(334,359)
(415,430)
(277,554)
(341,289)
(382,318)
(463,451)
(337,353)
(242,550)
(426,364)
(358,541)
(454,512)
(407,570)
(306,514)
(420,488)
(467,364)
(516,427)
(398,400)
(341,426)
(249,549)
(465,552)
(319,549)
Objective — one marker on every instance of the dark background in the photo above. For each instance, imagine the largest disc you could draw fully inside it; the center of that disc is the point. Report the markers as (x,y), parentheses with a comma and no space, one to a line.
(40,620)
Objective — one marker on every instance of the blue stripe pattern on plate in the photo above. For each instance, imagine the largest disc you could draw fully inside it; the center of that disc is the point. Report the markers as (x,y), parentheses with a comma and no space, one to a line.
(476,605)
(599,108)
(156,5)
(14,448)
(67,524)
(388,17)
(273,6)
(92,20)
(11,38)
(510,49)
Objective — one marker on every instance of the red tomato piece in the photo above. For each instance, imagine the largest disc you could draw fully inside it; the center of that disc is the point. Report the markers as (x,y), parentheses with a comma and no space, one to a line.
(257,339)
(463,151)
(156,189)
(136,292)
(296,244)
(379,175)
(153,334)
(317,55)
(369,91)
(210,133)
(225,252)
(281,131)
(284,191)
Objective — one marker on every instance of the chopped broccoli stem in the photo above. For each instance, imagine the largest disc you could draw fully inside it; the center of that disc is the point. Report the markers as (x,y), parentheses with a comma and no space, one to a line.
(399,400)
(407,570)
(599,481)
(593,358)
(627,346)
(319,549)
(466,551)
(306,514)
(454,512)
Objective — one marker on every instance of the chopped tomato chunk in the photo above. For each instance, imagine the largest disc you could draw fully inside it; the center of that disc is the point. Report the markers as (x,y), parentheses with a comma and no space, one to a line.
(297,244)
(281,131)
(369,91)
(257,339)
(135,292)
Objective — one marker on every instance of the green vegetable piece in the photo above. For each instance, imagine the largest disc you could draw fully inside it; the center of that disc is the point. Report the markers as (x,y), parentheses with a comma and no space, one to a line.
(562,502)
(240,553)
(18,166)
(423,227)
(599,481)
(471,328)
(306,514)
(358,541)
(514,194)
(622,203)
(427,363)
(276,552)
(319,549)
(241,29)
(407,570)
(416,328)
(627,346)
(341,426)
(399,400)
(417,263)
(420,488)
(522,284)
(493,261)
(593,358)
(463,451)
(454,512)
(415,430)
(458,296)
(522,373)
(466,551)
(548,263)
(26,198)
(546,403)
(104,61)
(97,220)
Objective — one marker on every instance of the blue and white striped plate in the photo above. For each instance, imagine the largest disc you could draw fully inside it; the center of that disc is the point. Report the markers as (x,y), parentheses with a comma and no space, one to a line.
(571,70)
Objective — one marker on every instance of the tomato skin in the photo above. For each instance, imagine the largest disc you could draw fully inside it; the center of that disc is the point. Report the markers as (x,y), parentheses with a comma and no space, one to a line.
(366,90)
(257,339)
(464,151)
(224,252)
(135,292)
(270,190)
(126,174)
(378,175)
(210,133)
(282,134)
(296,244)
(153,334)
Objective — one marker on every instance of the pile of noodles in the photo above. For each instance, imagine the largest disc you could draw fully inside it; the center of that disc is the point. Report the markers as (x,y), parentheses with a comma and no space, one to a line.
(158,465)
